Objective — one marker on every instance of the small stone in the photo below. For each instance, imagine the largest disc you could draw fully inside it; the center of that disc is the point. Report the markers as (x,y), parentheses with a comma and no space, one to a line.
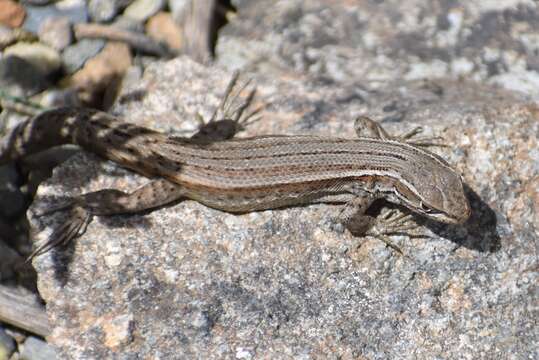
(74,10)
(143,9)
(43,57)
(36,349)
(7,345)
(11,13)
(162,27)
(56,32)
(127,23)
(60,97)
(102,10)
(100,72)
(76,55)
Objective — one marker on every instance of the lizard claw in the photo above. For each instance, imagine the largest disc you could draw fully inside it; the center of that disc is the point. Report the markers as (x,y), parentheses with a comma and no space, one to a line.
(391,223)
(74,225)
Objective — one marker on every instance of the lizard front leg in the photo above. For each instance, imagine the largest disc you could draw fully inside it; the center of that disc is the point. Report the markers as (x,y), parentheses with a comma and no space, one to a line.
(366,127)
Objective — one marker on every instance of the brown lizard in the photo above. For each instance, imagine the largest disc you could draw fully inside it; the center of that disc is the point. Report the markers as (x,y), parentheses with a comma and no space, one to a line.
(248,174)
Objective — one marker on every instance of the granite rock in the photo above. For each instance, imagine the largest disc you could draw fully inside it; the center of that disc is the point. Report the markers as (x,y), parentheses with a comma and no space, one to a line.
(490,41)
(187,281)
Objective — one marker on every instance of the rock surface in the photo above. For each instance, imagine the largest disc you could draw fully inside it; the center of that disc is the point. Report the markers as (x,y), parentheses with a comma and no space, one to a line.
(379,41)
(187,281)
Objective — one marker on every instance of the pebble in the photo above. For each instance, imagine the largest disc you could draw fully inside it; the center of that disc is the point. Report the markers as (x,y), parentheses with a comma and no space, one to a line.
(143,9)
(76,55)
(99,73)
(60,97)
(162,27)
(43,57)
(74,10)
(56,32)
(103,10)
(37,349)
(7,345)
(11,13)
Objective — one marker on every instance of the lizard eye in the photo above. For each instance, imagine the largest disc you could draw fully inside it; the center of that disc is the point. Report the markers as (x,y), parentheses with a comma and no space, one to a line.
(425,208)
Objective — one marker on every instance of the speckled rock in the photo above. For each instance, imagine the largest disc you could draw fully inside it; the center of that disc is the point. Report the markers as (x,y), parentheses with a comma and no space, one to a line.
(187,281)
(379,41)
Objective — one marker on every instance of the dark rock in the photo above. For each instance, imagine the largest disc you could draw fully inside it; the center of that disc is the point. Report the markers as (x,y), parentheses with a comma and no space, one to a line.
(9,181)
(43,57)
(19,77)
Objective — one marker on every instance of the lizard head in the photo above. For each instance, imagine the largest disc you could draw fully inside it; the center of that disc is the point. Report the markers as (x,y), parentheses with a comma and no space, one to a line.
(435,191)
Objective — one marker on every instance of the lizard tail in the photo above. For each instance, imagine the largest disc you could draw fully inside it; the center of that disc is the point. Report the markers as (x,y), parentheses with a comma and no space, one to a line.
(50,128)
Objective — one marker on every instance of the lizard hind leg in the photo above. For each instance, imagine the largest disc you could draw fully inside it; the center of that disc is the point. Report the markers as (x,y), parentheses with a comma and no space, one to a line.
(74,225)
(81,209)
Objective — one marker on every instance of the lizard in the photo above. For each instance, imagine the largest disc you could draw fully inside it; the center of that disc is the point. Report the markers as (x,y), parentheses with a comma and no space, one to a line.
(239,175)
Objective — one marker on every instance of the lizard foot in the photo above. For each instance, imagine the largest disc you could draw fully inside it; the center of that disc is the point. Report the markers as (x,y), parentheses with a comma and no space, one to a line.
(74,225)
(230,117)
(391,223)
